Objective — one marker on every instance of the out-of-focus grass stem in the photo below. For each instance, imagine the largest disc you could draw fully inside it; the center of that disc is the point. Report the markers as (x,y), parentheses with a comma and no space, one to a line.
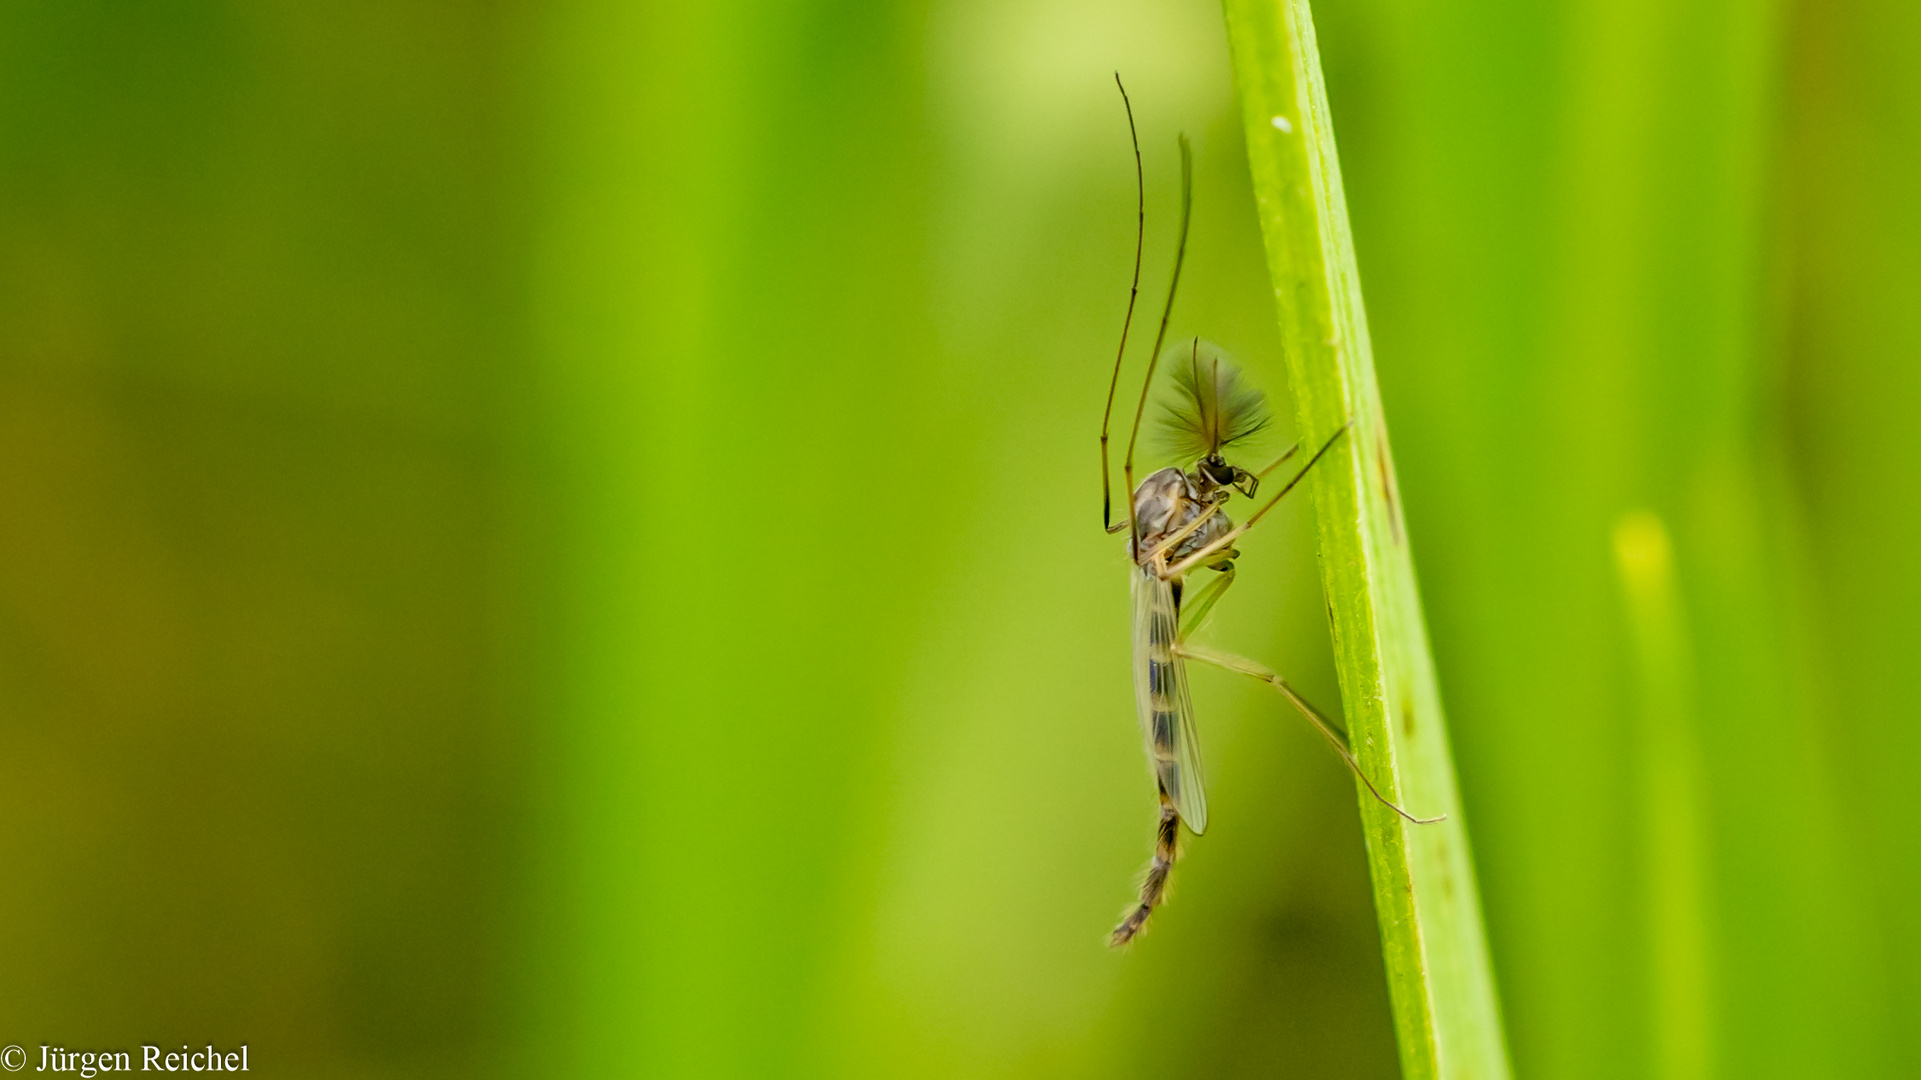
(1440,980)
(1673,849)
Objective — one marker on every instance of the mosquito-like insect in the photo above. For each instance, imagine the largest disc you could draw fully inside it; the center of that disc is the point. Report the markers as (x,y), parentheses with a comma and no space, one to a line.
(1176,527)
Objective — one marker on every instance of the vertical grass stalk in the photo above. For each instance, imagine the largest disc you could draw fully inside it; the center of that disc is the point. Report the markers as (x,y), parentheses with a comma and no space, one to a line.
(1440,981)
(1672,841)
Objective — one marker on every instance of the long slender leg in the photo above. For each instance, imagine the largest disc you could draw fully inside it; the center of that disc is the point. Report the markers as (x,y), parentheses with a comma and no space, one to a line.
(1160,336)
(1226,540)
(1249,483)
(1279,461)
(1198,603)
(1133,293)
(1321,723)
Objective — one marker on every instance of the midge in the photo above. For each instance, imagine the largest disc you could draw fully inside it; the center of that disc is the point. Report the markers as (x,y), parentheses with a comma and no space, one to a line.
(1176,527)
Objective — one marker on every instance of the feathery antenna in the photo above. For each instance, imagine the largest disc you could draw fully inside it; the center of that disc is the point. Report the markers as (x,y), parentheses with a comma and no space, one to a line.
(1212,406)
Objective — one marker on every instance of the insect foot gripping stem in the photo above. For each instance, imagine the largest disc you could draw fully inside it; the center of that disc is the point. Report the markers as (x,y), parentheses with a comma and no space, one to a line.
(1154,886)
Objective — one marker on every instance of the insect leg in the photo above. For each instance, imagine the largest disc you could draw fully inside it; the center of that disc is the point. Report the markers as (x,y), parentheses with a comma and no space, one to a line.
(1202,601)
(1322,724)
(1133,292)
(1160,336)
(1279,461)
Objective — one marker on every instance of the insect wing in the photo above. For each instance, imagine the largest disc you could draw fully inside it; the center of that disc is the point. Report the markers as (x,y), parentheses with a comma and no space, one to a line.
(1161,699)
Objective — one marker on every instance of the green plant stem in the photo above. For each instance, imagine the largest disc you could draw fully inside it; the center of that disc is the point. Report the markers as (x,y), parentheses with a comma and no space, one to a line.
(1440,981)
(1672,840)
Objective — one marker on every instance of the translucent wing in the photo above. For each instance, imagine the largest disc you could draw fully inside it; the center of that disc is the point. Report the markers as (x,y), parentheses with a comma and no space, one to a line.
(1160,697)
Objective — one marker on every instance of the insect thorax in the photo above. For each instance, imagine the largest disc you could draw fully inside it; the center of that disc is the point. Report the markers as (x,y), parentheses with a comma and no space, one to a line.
(1165,503)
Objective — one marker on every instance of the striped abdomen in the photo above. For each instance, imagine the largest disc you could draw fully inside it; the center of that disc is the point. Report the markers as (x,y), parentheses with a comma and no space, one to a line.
(1167,727)
(1161,699)
(1154,886)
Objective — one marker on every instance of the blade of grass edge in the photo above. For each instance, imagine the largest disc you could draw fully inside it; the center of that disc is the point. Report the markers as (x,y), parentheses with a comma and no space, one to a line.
(1440,981)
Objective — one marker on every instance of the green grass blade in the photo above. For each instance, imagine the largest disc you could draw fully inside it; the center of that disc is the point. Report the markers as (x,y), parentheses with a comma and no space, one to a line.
(1673,840)
(1445,1012)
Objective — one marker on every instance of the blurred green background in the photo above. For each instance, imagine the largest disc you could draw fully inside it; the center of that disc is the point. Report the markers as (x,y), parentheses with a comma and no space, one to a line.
(559,539)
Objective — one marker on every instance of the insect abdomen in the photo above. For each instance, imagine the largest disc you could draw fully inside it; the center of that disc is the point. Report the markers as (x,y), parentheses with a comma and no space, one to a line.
(1161,686)
(1154,886)
(1161,691)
